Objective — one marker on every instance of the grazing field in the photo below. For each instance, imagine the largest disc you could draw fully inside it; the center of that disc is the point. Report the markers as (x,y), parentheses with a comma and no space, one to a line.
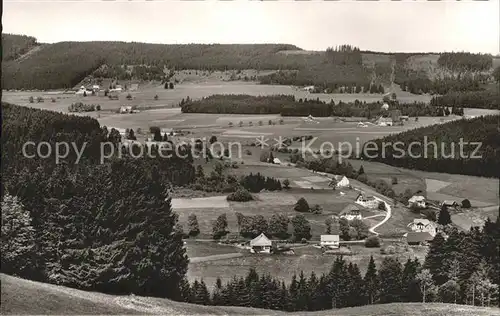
(208,202)
(207,248)
(306,258)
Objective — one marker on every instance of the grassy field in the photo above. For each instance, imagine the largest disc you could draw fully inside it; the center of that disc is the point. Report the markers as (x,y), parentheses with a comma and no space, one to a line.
(307,259)
(20,296)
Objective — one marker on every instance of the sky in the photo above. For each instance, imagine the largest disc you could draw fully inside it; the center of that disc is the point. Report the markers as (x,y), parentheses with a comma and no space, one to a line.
(404,26)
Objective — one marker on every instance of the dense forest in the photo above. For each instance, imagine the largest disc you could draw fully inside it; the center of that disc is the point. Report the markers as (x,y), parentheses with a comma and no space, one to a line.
(64,64)
(13,46)
(445,156)
(471,99)
(288,105)
(463,268)
(466,68)
(81,223)
(462,61)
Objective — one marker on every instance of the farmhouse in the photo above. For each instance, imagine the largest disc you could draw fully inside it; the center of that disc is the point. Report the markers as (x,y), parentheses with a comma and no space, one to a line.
(367,201)
(384,121)
(340,181)
(126,109)
(417,201)
(329,241)
(423,225)
(385,106)
(351,215)
(418,238)
(309,88)
(276,161)
(261,244)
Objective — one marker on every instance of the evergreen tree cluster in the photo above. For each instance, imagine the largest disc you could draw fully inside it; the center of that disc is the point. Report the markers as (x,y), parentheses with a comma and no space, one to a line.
(445,156)
(13,46)
(462,61)
(471,99)
(81,107)
(257,182)
(342,286)
(287,105)
(102,227)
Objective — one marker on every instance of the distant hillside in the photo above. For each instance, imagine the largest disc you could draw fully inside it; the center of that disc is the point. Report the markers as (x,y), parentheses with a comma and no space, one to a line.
(21,296)
(344,68)
(64,64)
(14,46)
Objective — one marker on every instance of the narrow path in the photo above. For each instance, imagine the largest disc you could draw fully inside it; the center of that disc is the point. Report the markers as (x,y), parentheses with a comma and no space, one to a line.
(386,218)
(215,257)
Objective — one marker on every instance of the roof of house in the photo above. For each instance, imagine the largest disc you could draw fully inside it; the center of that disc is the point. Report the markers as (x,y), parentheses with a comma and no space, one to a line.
(416,198)
(261,241)
(449,202)
(329,238)
(418,237)
(276,160)
(339,177)
(423,221)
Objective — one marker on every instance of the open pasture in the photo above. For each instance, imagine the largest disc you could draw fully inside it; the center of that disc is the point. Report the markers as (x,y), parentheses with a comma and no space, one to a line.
(306,259)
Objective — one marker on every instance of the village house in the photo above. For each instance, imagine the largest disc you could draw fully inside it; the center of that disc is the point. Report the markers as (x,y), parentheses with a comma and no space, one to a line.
(423,225)
(367,201)
(329,241)
(340,181)
(261,244)
(384,121)
(276,161)
(418,238)
(126,109)
(417,201)
(385,106)
(352,215)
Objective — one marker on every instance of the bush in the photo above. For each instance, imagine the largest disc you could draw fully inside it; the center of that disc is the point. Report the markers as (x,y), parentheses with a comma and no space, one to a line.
(248,152)
(394,180)
(372,242)
(466,203)
(389,250)
(241,195)
(301,205)
(316,209)
(31,99)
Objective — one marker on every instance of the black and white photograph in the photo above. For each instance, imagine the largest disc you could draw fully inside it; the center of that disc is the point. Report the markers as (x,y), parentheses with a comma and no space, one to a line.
(250,157)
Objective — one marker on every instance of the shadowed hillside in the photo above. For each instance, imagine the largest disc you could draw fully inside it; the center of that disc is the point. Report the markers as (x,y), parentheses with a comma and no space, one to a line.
(21,296)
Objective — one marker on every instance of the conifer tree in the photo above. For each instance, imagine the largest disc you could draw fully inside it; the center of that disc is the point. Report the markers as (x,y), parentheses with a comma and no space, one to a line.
(444,216)
(411,291)
(371,282)
(193,226)
(434,261)
(390,280)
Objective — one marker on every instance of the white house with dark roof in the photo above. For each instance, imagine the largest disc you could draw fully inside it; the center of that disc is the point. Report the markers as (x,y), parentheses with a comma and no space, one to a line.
(329,241)
(423,225)
(418,201)
(339,181)
(367,201)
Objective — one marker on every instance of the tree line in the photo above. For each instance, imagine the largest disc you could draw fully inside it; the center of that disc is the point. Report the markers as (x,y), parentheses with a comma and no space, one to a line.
(470,99)
(463,61)
(445,155)
(288,105)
